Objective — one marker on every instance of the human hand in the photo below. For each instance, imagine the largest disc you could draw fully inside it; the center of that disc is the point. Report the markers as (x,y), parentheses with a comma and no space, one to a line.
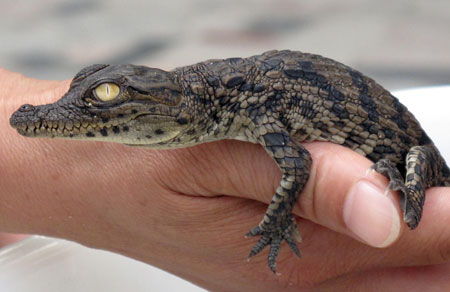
(187,210)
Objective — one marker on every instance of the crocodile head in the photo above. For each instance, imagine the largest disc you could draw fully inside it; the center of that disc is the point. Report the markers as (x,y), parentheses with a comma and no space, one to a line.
(127,104)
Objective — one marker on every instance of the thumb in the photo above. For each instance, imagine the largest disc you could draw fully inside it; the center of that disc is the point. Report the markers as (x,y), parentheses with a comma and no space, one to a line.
(343,195)
(340,193)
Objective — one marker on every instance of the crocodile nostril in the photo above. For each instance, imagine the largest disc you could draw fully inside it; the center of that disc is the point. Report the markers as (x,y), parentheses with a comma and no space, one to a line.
(26,108)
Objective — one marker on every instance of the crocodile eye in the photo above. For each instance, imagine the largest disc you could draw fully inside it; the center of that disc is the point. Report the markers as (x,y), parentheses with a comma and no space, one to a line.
(107,91)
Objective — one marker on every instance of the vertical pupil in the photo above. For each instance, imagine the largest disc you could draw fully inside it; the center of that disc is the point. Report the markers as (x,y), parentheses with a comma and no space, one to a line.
(107,90)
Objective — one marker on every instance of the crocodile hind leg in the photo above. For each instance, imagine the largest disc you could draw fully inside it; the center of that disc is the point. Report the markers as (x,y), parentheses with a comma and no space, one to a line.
(423,164)
(279,224)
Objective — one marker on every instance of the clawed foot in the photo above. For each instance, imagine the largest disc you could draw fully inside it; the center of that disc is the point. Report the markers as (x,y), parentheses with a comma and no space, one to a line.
(273,234)
(411,211)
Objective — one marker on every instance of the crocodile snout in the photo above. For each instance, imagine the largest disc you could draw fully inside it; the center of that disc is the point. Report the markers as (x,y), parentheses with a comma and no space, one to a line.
(23,116)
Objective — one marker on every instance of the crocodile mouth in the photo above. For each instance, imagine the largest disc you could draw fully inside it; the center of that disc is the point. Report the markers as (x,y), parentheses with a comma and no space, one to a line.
(81,129)
(126,124)
(68,129)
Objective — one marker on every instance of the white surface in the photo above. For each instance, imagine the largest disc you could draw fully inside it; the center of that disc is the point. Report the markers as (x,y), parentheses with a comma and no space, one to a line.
(42,264)
(51,265)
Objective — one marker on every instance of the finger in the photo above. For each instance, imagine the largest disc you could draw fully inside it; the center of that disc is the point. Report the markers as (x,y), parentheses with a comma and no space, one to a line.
(430,241)
(427,278)
(339,194)
(343,196)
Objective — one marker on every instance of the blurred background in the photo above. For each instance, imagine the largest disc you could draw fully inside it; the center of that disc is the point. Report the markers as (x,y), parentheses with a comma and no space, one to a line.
(403,43)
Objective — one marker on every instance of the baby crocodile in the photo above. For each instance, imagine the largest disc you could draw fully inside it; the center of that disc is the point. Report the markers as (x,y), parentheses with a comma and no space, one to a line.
(277,99)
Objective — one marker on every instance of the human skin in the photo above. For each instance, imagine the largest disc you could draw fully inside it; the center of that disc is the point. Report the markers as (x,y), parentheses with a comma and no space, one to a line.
(187,210)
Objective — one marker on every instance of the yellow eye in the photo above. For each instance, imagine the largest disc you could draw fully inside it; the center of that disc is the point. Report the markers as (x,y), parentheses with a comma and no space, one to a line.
(107,91)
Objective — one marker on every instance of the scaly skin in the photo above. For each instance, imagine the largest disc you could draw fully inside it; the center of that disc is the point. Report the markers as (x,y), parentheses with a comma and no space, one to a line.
(276,99)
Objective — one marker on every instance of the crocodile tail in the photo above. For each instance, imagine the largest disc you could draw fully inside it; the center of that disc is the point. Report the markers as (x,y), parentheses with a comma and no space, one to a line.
(445,176)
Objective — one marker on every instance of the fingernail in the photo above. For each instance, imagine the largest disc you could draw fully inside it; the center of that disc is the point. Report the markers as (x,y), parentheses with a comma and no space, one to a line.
(371,215)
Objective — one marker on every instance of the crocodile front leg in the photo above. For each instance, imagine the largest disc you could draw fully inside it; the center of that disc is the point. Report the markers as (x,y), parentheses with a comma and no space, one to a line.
(278,223)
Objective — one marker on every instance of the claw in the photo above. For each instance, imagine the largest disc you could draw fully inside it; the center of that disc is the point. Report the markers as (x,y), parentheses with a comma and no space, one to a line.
(254,231)
(259,246)
(411,220)
(273,233)
(293,246)
(411,216)
(370,170)
(297,235)
(273,254)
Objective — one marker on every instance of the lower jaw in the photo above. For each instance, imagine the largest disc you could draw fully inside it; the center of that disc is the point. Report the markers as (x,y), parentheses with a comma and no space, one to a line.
(56,132)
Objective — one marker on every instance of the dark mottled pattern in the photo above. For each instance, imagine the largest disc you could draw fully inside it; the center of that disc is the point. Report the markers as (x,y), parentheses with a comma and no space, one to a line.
(276,99)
